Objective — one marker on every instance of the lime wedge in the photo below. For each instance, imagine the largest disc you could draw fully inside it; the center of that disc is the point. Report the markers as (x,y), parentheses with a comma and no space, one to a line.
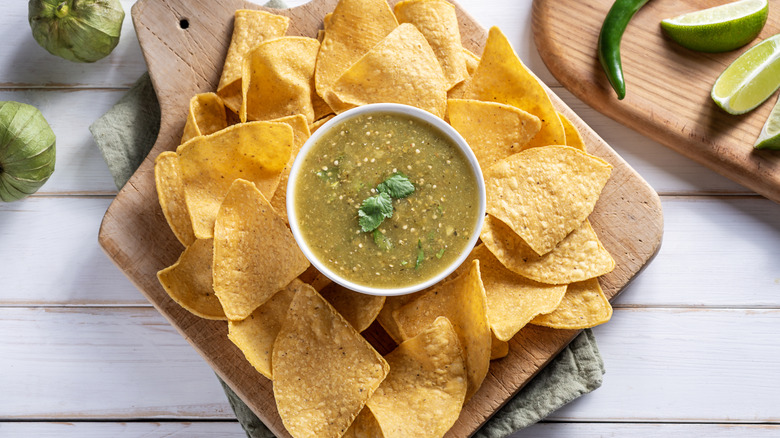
(770,133)
(750,79)
(719,29)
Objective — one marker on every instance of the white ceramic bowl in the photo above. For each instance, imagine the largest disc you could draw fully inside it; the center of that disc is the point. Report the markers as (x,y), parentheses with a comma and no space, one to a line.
(409,112)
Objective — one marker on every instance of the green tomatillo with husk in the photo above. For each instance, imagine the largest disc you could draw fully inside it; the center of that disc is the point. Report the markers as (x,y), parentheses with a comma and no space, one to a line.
(27,151)
(77,30)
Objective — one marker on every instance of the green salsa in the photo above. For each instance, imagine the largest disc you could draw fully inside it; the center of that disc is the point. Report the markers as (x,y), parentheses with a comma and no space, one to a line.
(386,201)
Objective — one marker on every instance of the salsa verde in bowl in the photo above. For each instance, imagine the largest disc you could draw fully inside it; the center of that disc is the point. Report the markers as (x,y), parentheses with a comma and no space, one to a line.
(386,199)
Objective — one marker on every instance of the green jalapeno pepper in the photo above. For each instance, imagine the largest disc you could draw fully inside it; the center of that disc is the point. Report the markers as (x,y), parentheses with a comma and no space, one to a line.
(611,33)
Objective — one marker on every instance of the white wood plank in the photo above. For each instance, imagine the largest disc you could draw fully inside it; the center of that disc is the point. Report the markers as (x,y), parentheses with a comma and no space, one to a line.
(50,254)
(80,167)
(102,363)
(665,170)
(663,365)
(201,429)
(585,430)
(685,365)
(27,64)
(716,251)
(227,429)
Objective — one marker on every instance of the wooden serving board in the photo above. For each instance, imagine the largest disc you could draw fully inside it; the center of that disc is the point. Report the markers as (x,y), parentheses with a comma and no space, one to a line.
(667,86)
(135,235)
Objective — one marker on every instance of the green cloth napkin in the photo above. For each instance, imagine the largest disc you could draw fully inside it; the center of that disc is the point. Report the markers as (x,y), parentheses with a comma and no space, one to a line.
(126,134)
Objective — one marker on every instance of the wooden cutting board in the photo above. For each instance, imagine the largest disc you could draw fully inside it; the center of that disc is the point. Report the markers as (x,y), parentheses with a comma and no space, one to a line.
(667,86)
(135,235)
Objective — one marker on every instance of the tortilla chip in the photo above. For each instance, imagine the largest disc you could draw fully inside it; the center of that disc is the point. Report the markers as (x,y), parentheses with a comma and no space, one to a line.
(250,28)
(255,335)
(278,79)
(256,151)
(364,426)
(170,193)
(578,257)
(544,193)
(437,21)
(459,90)
(512,300)
(424,392)
(498,348)
(573,137)
(324,371)
(494,131)
(402,68)
(354,27)
(316,125)
(463,302)
(300,134)
(502,77)
(583,306)
(206,116)
(357,308)
(255,254)
(472,61)
(385,317)
(189,281)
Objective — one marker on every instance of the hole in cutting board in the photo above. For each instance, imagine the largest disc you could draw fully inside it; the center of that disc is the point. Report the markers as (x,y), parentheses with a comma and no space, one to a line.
(184,23)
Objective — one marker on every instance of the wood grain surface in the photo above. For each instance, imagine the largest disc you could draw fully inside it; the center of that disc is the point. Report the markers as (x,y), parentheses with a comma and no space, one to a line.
(136,237)
(667,86)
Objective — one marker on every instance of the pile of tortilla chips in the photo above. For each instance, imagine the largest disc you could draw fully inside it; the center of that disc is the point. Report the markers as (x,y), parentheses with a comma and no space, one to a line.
(223,194)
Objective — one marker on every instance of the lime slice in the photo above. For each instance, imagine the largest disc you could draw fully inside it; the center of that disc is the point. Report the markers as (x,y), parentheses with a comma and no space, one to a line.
(770,133)
(719,29)
(750,79)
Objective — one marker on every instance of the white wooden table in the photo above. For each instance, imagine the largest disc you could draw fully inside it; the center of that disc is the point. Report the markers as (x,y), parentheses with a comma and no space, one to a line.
(691,350)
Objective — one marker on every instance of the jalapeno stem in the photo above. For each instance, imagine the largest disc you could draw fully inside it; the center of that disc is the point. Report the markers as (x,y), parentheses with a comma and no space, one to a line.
(611,34)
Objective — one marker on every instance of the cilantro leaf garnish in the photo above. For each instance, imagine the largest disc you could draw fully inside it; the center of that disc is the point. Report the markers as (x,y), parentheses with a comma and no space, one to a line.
(382,241)
(420,254)
(374,210)
(397,186)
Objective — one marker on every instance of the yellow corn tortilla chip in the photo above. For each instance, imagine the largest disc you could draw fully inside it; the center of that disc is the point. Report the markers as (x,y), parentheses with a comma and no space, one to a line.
(385,317)
(206,116)
(472,61)
(578,257)
(573,137)
(498,348)
(544,193)
(278,79)
(256,151)
(354,27)
(316,125)
(401,68)
(463,302)
(315,278)
(255,335)
(424,392)
(255,254)
(502,77)
(493,130)
(300,134)
(437,21)
(357,308)
(364,426)
(324,371)
(250,28)
(189,281)
(512,300)
(459,90)
(583,306)
(170,194)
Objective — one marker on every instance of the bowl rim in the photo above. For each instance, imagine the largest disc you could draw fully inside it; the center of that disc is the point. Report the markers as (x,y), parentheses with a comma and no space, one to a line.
(393,108)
